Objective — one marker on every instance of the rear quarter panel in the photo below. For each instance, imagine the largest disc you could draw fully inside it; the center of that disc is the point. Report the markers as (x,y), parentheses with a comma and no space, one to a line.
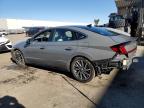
(96,47)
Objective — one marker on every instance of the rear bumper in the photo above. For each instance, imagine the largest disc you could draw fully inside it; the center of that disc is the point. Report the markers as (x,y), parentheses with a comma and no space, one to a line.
(123,64)
(115,64)
(111,64)
(107,64)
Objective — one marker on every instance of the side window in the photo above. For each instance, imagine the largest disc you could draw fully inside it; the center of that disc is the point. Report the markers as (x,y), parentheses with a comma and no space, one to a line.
(43,37)
(63,35)
(80,36)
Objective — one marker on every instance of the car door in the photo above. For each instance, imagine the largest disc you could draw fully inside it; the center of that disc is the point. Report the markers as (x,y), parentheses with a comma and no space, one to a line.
(62,47)
(36,51)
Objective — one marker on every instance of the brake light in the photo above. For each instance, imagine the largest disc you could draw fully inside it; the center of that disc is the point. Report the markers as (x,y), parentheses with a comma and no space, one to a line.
(119,49)
(123,50)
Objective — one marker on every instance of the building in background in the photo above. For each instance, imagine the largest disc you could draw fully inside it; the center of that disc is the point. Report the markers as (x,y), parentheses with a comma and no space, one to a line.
(11,24)
(125,8)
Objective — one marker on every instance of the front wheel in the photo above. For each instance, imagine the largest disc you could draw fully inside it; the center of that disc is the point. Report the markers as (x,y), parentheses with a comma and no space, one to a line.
(82,69)
(19,59)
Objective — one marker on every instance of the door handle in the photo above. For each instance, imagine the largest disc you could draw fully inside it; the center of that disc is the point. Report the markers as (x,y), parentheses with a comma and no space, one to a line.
(68,49)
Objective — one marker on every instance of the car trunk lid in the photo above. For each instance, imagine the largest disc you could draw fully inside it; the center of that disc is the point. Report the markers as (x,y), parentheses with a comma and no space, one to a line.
(124,45)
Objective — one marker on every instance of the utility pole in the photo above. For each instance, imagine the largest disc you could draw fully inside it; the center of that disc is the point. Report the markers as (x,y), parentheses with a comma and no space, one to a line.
(141,20)
(143,14)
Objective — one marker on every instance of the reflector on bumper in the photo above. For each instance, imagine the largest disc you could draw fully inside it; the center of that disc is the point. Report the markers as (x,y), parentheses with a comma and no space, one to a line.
(125,62)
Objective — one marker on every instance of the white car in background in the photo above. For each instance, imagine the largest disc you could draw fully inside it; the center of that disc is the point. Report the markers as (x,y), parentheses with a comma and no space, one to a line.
(5,44)
(3,33)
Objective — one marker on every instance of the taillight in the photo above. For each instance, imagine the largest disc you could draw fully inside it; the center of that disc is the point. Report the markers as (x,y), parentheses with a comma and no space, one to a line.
(123,50)
(119,49)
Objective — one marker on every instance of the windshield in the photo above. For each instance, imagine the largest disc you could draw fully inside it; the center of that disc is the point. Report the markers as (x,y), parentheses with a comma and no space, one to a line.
(100,30)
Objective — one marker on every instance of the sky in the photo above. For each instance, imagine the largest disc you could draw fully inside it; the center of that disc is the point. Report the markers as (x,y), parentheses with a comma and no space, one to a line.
(58,10)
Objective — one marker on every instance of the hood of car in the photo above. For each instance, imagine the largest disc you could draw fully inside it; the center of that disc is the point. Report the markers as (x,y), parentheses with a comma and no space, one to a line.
(19,44)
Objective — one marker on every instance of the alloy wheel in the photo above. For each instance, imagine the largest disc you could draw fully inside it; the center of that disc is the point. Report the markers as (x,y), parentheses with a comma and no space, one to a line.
(82,69)
(19,59)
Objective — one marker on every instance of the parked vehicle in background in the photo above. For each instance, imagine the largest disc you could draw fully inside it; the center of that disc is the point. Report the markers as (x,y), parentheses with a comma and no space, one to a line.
(85,51)
(3,33)
(5,44)
(116,20)
(16,31)
(33,30)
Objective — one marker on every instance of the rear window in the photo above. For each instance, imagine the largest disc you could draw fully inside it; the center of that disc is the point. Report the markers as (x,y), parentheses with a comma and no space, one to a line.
(100,30)
(80,36)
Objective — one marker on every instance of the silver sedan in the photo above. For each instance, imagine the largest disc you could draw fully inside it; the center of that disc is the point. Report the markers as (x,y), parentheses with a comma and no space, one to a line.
(85,51)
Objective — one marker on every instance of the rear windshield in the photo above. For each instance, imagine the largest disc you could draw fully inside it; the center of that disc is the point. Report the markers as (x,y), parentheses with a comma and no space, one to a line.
(100,30)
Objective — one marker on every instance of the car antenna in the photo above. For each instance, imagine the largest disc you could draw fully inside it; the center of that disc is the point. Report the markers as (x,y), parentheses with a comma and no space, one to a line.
(90,25)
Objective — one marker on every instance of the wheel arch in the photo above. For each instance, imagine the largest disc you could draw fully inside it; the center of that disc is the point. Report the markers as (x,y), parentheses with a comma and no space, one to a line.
(92,73)
(86,57)
(21,52)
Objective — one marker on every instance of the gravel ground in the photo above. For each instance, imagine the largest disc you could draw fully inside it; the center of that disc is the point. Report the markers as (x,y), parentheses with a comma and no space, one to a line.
(48,88)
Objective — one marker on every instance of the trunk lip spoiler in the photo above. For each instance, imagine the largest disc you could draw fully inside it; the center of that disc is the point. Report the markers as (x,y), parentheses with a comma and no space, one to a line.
(132,50)
(124,43)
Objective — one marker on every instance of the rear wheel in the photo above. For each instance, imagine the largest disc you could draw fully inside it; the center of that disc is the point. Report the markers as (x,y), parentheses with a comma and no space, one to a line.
(82,69)
(19,59)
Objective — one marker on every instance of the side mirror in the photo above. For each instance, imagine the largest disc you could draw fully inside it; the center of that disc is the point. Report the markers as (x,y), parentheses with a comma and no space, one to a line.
(28,41)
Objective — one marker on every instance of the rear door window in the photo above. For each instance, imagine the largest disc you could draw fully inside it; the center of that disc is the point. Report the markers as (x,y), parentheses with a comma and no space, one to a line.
(63,35)
(80,36)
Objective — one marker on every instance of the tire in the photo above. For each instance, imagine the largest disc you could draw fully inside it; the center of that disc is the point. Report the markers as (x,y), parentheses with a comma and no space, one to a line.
(82,69)
(19,59)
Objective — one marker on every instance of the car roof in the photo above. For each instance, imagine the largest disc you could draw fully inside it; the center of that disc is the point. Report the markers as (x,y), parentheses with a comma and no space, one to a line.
(76,27)
(79,28)
(90,30)
(72,26)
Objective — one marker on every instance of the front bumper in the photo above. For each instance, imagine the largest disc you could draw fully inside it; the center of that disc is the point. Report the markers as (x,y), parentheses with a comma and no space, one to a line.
(5,47)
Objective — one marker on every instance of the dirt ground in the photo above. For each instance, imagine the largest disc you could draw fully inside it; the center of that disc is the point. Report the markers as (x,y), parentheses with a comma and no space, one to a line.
(47,88)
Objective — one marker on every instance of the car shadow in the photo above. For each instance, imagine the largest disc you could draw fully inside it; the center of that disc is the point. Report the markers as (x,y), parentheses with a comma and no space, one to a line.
(126,89)
(54,70)
(10,102)
(33,68)
(3,52)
